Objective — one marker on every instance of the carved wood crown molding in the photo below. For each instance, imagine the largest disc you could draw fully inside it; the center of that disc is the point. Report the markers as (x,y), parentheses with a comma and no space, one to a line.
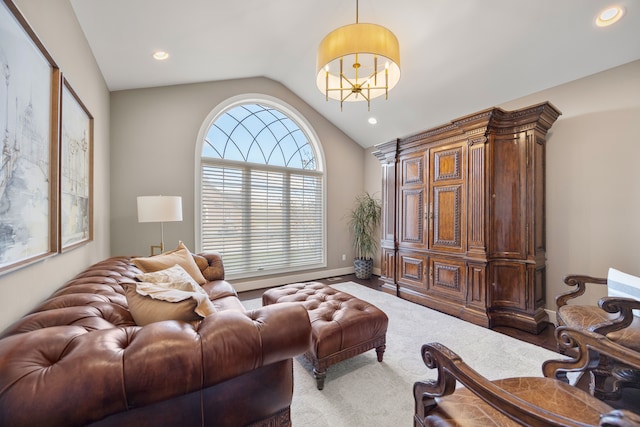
(386,152)
(494,120)
(540,116)
(480,140)
(457,125)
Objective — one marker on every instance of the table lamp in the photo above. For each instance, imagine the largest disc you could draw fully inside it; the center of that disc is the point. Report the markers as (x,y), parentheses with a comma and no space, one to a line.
(159,209)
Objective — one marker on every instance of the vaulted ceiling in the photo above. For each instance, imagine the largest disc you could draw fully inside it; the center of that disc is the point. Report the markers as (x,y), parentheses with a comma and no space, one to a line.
(457,56)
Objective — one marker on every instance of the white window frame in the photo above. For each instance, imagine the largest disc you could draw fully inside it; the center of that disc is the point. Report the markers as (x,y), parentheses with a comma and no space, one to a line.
(313,140)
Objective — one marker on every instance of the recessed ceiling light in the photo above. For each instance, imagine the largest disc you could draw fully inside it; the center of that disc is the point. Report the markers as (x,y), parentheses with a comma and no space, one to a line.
(160,55)
(609,16)
(372,120)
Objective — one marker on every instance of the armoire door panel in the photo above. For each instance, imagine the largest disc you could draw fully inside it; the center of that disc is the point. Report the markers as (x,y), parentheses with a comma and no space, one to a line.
(412,232)
(447,192)
(412,270)
(509,214)
(447,218)
(476,285)
(412,229)
(447,278)
(413,169)
(447,163)
(508,285)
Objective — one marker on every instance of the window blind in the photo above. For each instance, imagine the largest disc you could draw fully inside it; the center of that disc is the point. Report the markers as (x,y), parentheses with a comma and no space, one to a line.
(262,219)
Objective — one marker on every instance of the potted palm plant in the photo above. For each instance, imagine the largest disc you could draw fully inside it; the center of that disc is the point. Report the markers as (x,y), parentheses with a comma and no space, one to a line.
(364,221)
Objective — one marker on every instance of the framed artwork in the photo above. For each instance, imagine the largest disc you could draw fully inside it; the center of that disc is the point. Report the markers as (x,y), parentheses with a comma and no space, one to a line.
(76,171)
(30,84)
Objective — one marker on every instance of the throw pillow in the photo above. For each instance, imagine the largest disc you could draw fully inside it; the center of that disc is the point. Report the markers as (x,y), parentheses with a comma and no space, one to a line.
(145,309)
(174,285)
(169,294)
(181,256)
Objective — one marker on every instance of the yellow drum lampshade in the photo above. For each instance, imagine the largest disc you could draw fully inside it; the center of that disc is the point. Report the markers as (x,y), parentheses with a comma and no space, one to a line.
(358,62)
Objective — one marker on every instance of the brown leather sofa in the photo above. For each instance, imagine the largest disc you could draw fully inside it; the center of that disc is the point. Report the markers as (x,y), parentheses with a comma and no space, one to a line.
(80,359)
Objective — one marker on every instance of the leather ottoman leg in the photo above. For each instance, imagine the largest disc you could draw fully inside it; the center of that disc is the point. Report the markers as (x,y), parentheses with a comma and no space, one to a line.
(319,376)
(380,352)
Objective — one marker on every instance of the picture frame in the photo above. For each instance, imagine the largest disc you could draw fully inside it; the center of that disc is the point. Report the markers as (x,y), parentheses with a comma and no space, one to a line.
(30,85)
(76,171)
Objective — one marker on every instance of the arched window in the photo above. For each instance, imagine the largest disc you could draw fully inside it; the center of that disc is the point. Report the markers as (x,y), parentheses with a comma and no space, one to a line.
(262,191)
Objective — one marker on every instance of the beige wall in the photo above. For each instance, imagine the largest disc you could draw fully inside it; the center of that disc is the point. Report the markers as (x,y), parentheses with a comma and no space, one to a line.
(154,134)
(56,25)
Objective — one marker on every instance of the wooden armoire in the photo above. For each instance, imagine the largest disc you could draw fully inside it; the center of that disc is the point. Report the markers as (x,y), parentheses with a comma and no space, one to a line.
(463,227)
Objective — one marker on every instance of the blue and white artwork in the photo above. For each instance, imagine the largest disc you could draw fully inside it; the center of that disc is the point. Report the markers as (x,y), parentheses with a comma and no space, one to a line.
(25,145)
(75,162)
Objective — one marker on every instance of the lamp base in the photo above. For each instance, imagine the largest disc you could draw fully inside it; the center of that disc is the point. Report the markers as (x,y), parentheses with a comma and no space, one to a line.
(160,247)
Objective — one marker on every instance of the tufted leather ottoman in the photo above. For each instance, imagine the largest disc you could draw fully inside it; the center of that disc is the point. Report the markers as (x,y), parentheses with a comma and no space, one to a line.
(342,326)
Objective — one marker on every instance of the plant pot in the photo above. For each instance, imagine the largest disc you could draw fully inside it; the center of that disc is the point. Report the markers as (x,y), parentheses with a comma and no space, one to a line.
(363,267)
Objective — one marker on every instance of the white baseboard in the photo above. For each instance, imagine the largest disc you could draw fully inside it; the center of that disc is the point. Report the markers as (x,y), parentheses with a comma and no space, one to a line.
(552,316)
(253,284)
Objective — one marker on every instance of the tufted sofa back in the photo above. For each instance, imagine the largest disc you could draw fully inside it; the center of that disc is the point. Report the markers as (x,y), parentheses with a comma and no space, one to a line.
(92,300)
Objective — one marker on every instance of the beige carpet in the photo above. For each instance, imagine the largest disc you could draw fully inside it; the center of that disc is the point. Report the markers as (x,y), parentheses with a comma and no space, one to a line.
(362,392)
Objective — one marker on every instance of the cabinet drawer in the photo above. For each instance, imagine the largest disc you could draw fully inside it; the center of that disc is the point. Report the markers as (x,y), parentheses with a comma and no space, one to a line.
(447,278)
(508,285)
(412,270)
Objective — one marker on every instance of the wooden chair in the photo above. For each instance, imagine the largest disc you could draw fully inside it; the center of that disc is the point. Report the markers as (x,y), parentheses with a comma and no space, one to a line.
(613,318)
(530,401)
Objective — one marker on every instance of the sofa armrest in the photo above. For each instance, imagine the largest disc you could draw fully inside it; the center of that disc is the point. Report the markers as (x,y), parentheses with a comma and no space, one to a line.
(235,343)
(580,282)
(210,263)
(285,331)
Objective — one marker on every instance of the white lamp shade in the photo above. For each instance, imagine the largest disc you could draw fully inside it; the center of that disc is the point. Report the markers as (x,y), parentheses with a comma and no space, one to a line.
(159,208)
